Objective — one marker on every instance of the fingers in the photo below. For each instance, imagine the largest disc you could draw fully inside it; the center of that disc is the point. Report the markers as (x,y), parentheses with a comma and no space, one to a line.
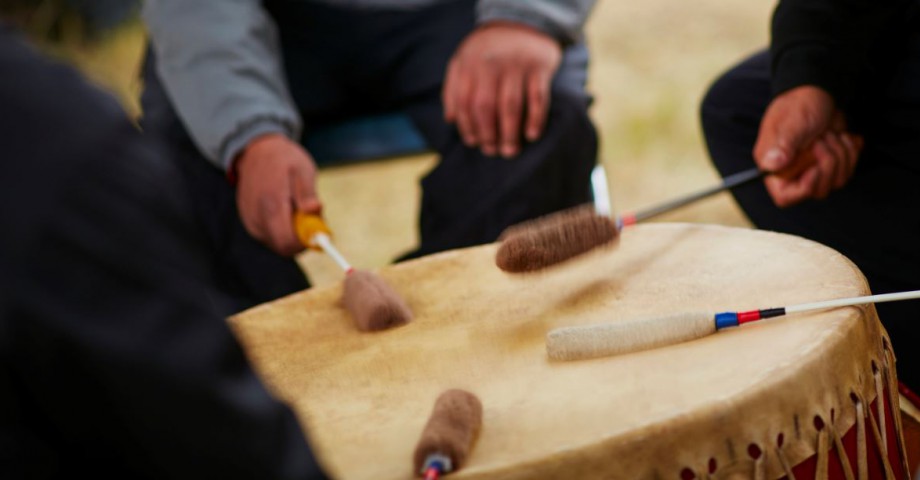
(485,105)
(500,70)
(303,190)
(841,154)
(490,114)
(448,94)
(484,112)
(538,83)
(276,214)
(826,166)
(267,217)
(837,154)
(459,92)
(788,192)
(833,160)
(510,104)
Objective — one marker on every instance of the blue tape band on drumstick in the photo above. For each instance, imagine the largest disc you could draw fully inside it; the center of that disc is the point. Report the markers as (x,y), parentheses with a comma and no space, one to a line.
(726,319)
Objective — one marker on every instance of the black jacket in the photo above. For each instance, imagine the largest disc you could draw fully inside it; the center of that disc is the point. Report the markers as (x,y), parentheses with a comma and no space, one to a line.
(839,45)
(115,358)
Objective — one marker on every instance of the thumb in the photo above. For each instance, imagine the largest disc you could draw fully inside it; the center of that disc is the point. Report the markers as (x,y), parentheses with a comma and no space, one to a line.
(303,191)
(791,123)
(781,142)
(774,160)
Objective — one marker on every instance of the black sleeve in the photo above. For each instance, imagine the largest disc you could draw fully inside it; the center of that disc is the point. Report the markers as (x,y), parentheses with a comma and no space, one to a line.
(114,353)
(826,42)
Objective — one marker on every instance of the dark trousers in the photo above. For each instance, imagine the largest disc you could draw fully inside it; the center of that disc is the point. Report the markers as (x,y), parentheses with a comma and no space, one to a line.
(875,219)
(340,63)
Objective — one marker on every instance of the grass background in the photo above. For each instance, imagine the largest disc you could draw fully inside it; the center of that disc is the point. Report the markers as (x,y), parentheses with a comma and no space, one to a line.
(651,64)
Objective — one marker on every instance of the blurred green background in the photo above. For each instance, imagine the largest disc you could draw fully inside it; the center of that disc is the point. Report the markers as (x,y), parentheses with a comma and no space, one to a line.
(651,64)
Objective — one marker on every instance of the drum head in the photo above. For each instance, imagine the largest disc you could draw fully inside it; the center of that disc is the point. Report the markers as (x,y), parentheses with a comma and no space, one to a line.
(365,397)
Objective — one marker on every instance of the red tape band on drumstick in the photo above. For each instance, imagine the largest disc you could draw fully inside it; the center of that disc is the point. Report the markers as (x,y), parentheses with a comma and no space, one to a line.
(432,473)
(750,316)
(628,219)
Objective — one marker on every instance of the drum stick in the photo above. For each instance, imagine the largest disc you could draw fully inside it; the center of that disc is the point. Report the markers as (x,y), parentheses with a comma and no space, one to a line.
(601,191)
(314,234)
(591,341)
(449,434)
(555,238)
(729,182)
(371,302)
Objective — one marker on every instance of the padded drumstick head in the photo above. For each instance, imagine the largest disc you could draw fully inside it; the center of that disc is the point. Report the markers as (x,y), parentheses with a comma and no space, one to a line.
(451,429)
(592,341)
(372,303)
(553,239)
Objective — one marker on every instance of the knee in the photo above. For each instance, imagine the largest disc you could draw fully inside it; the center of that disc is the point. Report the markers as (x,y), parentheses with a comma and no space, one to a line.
(568,148)
(738,98)
(720,103)
(568,120)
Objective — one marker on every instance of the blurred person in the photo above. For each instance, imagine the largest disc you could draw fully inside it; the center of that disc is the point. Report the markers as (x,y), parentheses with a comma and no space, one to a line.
(833,108)
(115,358)
(496,87)
(82,18)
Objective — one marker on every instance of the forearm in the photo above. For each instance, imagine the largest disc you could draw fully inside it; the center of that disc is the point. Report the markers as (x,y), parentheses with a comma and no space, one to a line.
(220,65)
(825,43)
(564,20)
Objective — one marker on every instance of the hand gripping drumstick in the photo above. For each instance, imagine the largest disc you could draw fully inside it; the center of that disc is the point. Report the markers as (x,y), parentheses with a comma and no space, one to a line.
(591,341)
(449,434)
(370,301)
(554,238)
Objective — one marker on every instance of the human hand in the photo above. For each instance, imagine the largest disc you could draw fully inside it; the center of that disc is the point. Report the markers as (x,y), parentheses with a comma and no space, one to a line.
(499,72)
(804,142)
(275,177)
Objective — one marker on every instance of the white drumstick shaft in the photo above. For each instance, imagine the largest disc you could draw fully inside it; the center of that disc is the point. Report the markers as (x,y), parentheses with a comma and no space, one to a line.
(325,243)
(846,302)
(601,191)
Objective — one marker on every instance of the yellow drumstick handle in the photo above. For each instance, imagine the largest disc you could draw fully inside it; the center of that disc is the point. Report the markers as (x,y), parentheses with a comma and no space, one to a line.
(306,226)
(313,233)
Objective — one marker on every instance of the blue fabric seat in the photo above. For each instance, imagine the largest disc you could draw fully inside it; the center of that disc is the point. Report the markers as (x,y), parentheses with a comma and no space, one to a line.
(365,138)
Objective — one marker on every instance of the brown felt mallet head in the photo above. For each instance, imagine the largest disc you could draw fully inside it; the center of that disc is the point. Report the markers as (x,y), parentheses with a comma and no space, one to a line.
(372,303)
(553,239)
(451,429)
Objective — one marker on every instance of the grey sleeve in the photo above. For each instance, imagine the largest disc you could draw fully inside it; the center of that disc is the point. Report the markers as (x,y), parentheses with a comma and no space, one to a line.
(562,19)
(220,64)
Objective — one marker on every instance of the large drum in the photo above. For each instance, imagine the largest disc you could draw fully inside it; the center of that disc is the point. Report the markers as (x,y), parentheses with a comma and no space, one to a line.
(807,394)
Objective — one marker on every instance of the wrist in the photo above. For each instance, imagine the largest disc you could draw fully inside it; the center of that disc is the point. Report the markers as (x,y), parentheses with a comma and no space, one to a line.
(234,145)
(517,27)
(520,14)
(810,91)
(252,149)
